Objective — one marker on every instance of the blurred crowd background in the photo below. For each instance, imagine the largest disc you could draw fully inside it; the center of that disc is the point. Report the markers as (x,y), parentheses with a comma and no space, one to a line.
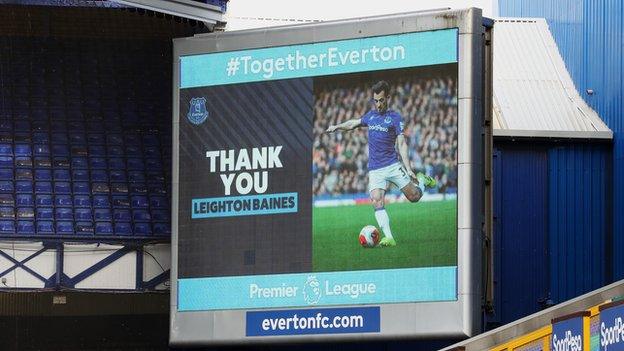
(429,111)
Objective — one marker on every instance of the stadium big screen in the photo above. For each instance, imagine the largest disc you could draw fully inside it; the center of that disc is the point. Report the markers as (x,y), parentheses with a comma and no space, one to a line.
(317,186)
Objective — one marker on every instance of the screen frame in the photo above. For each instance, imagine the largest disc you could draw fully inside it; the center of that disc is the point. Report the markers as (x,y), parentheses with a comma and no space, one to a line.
(458,318)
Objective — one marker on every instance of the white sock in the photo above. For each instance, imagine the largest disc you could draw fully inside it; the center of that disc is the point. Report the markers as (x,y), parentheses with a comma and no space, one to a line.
(421,186)
(384,222)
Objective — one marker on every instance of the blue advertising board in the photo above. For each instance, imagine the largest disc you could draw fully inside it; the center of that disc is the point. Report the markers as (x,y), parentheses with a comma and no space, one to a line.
(612,328)
(569,335)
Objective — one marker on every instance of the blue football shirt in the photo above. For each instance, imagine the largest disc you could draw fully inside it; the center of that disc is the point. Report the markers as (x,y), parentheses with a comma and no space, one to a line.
(383,130)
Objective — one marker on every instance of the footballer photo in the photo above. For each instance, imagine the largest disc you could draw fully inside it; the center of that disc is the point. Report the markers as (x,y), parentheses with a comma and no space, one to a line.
(384,169)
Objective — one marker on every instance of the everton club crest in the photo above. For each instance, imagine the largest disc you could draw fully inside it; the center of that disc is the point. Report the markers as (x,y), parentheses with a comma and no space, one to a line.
(197,111)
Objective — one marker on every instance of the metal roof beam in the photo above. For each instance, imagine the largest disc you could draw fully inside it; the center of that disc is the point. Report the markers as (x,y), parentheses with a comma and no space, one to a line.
(181,8)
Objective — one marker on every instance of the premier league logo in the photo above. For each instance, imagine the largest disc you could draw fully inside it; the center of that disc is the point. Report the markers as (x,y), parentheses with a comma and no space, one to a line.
(312,290)
(197,111)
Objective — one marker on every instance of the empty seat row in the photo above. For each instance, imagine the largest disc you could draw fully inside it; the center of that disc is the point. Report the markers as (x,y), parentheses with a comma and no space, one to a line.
(81,201)
(25,227)
(84,214)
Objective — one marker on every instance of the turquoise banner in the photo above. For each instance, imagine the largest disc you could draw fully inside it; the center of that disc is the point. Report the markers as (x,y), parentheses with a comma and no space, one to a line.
(318,289)
(319,59)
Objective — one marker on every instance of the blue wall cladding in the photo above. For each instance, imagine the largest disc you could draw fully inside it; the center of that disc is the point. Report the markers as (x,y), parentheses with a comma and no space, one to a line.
(520,231)
(578,218)
(589,34)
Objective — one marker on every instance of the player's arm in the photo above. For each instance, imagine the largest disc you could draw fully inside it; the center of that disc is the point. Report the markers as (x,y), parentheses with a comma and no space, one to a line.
(404,153)
(344,126)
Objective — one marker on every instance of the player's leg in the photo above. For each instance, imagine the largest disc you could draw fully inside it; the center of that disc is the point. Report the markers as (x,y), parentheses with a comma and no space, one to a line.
(377,190)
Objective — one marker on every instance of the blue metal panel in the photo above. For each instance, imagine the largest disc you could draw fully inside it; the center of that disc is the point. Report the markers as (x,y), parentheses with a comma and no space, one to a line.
(520,231)
(589,34)
(577,218)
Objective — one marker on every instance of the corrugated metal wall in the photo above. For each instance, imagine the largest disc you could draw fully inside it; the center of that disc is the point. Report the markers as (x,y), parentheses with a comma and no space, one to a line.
(520,231)
(578,228)
(551,225)
(589,34)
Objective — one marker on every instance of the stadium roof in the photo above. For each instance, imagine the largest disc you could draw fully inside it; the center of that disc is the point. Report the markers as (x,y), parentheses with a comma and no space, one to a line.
(534,95)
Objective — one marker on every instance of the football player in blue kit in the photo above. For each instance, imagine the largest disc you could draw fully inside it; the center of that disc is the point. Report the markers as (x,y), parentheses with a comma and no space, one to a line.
(385,136)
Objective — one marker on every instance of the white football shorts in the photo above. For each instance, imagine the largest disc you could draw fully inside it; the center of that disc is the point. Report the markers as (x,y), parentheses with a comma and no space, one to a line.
(395,173)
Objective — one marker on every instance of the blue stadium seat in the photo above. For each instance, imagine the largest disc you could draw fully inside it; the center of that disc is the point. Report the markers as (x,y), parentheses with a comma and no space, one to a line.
(7,199)
(42,162)
(135,164)
(79,151)
(77,138)
(138,189)
(101,201)
(100,188)
(153,164)
(7,212)
(7,226)
(136,176)
(24,187)
(40,188)
(22,138)
(82,201)
(61,163)
(117,176)
(59,126)
(62,188)
(23,174)
(103,228)
(161,228)
(65,227)
(122,215)
(45,213)
(141,216)
(139,201)
(6,174)
(97,150)
(102,214)
(6,186)
(43,174)
(115,151)
(44,200)
(97,163)
(41,150)
(119,188)
(24,200)
(121,202)
(6,149)
(63,201)
(59,138)
(6,161)
(155,177)
(40,124)
(26,213)
(142,229)
(26,227)
(99,175)
(80,175)
(83,214)
(96,139)
(114,139)
(81,188)
(84,227)
(23,150)
(41,138)
(21,126)
(116,164)
(123,228)
(45,227)
(132,139)
(65,214)
(151,152)
(160,215)
(159,202)
(150,140)
(62,175)
(60,150)
(133,151)
(79,163)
